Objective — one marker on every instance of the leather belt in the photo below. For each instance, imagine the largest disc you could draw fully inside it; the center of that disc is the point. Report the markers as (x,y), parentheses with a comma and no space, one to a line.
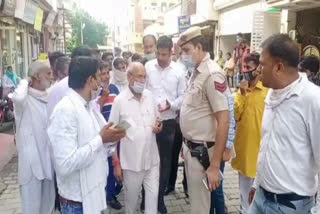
(192,145)
(69,202)
(283,199)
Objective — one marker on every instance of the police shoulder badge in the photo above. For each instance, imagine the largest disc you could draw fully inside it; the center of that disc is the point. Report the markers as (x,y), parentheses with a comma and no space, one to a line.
(222,87)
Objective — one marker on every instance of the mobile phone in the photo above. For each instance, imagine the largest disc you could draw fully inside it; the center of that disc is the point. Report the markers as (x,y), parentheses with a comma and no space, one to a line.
(206,183)
(122,125)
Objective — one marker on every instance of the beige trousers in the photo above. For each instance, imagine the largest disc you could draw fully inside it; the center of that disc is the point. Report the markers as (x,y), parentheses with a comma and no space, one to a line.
(200,197)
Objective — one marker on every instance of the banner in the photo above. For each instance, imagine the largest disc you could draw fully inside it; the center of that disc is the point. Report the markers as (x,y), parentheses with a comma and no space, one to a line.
(38,20)
(50,19)
(30,12)
(183,23)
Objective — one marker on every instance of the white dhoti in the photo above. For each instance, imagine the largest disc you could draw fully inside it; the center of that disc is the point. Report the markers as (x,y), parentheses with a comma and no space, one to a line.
(132,186)
(38,196)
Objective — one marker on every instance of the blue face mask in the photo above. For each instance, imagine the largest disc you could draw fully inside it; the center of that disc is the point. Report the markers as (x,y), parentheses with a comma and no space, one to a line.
(138,87)
(188,62)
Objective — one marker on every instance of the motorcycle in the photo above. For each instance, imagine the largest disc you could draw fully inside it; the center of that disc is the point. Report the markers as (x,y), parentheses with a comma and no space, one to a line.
(6,111)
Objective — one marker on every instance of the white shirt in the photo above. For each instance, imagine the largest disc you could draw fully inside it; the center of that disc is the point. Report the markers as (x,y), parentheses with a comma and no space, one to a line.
(7,82)
(166,84)
(57,92)
(31,120)
(138,150)
(78,151)
(289,158)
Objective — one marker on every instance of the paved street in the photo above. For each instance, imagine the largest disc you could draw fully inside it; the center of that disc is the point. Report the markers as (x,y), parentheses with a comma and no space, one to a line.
(176,203)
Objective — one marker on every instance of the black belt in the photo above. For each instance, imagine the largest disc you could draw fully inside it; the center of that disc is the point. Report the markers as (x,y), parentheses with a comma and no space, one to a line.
(191,145)
(69,202)
(283,199)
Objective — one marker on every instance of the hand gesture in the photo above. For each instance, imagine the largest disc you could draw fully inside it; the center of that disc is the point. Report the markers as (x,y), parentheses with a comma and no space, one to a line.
(117,170)
(110,135)
(244,85)
(157,128)
(251,194)
(227,154)
(213,175)
(166,108)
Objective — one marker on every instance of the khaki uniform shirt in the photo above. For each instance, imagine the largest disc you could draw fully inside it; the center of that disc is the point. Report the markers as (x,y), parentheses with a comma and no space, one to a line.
(205,95)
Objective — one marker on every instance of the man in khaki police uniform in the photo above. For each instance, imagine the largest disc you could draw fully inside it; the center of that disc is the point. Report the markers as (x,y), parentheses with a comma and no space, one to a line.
(204,119)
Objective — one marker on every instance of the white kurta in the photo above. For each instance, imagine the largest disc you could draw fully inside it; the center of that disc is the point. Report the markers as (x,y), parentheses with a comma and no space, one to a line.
(34,157)
(78,151)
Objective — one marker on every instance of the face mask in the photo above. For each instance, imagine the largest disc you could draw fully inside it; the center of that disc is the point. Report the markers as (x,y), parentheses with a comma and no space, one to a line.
(119,76)
(188,62)
(249,75)
(150,56)
(138,87)
(95,93)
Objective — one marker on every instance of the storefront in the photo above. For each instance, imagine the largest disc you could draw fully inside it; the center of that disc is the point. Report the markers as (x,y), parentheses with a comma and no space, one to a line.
(303,16)
(252,18)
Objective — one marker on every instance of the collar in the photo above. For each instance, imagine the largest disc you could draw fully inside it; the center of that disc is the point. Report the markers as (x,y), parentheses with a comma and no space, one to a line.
(129,95)
(259,85)
(159,67)
(78,98)
(203,66)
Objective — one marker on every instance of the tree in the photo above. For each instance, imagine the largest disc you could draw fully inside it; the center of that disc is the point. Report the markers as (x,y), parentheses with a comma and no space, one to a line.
(94,32)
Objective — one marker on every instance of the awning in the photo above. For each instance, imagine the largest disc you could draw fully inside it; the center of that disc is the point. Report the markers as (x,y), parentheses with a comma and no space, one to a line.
(293,4)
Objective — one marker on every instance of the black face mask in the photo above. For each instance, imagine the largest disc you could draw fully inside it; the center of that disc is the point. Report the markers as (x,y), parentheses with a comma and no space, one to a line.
(248,75)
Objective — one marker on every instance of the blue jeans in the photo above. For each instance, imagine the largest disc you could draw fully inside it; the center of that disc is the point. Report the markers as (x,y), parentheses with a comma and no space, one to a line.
(261,205)
(111,182)
(68,209)
(217,197)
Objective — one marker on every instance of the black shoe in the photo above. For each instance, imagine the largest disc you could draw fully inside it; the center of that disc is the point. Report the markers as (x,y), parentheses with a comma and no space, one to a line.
(162,209)
(168,191)
(142,205)
(118,189)
(114,204)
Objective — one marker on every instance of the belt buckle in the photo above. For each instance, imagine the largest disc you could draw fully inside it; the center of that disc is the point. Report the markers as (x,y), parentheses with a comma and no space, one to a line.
(275,198)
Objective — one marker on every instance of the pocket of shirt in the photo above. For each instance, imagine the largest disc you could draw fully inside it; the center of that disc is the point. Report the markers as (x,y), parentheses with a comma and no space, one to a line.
(194,97)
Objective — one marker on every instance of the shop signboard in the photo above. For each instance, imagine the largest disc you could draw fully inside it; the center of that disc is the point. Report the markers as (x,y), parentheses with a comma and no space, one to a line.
(183,23)
(8,7)
(30,12)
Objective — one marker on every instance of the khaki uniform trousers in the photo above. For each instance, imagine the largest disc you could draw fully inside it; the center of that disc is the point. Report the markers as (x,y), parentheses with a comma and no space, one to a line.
(200,197)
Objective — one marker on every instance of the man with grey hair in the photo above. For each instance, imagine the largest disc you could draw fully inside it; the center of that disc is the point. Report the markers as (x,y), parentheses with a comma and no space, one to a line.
(35,170)
(139,157)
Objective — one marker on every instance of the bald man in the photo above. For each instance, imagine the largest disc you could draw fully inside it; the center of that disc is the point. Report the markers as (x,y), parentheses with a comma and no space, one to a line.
(35,171)
(139,157)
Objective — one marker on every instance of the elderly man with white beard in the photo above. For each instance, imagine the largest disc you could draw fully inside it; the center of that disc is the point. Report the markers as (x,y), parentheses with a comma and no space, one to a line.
(35,170)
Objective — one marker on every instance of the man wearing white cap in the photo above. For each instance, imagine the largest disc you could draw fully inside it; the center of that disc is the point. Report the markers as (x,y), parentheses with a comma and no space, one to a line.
(204,119)
(35,170)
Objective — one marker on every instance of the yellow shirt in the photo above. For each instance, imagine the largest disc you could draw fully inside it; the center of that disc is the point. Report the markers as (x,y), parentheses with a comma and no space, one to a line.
(248,111)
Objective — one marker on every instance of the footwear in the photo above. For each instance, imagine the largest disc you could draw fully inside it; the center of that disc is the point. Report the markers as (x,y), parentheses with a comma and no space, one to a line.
(162,209)
(114,204)
(142,205)
(168,191)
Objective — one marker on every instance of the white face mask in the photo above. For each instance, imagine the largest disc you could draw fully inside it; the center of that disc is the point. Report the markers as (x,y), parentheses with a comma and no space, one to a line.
(138,87)
(119,76)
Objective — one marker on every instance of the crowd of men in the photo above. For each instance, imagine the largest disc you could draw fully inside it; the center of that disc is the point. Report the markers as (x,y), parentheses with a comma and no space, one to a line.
(88,126)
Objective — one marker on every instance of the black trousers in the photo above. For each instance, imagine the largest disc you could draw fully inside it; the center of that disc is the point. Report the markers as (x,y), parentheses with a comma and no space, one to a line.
(175,158)
(165,140)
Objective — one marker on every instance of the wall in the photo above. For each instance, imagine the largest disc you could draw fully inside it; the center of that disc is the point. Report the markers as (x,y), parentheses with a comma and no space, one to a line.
(171,20)
(227,43)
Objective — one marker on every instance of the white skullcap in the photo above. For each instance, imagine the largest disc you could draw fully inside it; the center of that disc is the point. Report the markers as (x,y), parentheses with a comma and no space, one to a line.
(36,66)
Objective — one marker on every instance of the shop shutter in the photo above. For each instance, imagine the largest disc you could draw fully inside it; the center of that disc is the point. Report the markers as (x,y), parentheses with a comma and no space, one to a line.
(264,25)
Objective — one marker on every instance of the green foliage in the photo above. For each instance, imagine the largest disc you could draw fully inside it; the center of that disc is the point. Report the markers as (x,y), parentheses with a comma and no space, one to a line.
(94,31)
